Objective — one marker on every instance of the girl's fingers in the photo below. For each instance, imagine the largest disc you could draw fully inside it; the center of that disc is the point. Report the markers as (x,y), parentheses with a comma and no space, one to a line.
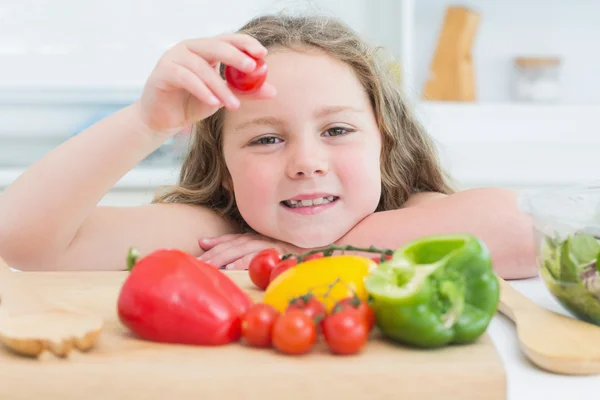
(202,56)
(215,253)
(210,78)
(226,255)
(188,80)
(242,263)
(215,51)
(234,253)
(246,43)
(210,242)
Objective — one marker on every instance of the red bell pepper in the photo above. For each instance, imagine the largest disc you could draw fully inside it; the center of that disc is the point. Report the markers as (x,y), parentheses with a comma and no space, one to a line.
(172,297)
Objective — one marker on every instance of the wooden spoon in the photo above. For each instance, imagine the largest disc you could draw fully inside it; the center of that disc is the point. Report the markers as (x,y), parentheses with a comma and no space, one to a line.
(30,325)
(552,341)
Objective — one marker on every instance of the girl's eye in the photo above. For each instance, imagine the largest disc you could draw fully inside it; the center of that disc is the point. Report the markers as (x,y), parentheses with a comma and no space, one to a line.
(267,140)
(338,131)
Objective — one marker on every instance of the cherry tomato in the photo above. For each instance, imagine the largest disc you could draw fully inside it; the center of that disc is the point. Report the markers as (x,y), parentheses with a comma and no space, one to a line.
(345,331)
(257,324)
(362,307)
(377,259)
(261,266)
(282,266)
(247,82)
(294,332)
(311,306)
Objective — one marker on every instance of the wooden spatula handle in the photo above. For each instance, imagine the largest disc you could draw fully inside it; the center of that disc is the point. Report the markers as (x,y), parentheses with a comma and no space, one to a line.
(511,301)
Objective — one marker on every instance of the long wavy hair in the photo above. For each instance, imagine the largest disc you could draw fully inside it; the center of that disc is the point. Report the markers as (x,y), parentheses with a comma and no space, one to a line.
(409,162)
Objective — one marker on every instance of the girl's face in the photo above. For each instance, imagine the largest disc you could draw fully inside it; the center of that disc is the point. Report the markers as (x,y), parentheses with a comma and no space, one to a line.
(305,164)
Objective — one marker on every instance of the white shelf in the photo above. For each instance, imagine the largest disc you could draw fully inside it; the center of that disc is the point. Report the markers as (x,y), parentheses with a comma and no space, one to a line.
(507,29)
(511,122)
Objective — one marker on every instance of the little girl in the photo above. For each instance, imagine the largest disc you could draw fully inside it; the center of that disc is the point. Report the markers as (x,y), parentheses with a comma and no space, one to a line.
(326,151)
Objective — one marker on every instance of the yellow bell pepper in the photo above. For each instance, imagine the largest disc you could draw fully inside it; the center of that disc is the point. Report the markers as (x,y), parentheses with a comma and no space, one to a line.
(328,278)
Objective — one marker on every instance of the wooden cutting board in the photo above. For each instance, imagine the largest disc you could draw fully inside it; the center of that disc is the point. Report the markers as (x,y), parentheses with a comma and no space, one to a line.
(124,367)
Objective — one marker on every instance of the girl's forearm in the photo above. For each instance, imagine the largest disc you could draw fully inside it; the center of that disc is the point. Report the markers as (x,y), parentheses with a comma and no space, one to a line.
(491,214)
(44,208)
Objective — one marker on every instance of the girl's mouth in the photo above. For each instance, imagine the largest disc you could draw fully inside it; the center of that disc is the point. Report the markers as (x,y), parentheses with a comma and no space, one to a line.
(309,203)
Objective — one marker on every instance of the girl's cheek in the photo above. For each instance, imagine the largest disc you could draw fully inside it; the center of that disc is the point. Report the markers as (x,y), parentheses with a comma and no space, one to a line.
(358,161)
(257,176)
(361,171)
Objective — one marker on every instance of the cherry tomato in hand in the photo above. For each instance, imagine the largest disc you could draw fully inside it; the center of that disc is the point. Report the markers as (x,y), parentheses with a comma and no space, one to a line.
(282,267)
(294,332)
(261,265)
(247,82)
(257,324)
(362,307)
(311,306)
(345,331)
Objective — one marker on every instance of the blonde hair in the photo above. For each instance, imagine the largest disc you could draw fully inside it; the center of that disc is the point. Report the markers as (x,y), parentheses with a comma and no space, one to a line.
(409,162)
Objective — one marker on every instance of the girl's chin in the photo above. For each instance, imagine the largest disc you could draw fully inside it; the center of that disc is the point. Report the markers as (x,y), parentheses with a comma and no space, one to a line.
(311,240)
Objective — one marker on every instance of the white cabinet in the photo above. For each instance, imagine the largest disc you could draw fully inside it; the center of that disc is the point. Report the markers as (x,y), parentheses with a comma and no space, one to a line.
(566,29)
(495,141)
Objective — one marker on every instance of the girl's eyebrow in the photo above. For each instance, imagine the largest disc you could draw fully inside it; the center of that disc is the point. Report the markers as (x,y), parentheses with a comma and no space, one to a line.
(325,111)
(273,121)
(269,121)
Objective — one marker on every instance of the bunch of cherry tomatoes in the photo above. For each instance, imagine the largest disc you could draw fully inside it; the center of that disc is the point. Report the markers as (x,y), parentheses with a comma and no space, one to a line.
(295,331)
(268,265)
(345,328)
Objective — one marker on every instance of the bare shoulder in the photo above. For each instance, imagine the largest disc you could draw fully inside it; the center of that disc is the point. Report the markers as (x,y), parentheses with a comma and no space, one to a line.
(484,195)
(417,199)
(103,240)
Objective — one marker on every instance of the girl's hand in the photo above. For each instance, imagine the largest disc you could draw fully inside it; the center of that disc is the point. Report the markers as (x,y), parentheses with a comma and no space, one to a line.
(185,86)
(235,251)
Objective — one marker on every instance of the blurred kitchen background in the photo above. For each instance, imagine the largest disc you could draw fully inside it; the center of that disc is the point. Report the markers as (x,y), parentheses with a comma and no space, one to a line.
(509,89)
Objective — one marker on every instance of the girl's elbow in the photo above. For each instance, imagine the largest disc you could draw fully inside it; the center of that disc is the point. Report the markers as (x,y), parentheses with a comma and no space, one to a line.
(515,254)
(518,261)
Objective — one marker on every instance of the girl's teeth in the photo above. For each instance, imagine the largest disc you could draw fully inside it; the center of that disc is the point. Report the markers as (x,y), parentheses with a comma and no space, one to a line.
(309,203)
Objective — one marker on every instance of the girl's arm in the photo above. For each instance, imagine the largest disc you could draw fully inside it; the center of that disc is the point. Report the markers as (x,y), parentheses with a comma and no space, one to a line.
(48,216)
(489,213)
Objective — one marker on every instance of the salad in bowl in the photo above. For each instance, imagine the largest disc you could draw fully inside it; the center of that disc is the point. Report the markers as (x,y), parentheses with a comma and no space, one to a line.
(566,225)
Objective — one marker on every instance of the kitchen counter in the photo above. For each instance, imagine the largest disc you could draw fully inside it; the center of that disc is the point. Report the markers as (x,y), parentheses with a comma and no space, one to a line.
(525,380)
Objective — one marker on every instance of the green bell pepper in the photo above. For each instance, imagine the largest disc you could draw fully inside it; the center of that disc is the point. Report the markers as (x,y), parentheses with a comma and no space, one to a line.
(436,290)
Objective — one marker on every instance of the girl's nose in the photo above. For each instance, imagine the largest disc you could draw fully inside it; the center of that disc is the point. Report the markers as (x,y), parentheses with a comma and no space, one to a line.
(307,162)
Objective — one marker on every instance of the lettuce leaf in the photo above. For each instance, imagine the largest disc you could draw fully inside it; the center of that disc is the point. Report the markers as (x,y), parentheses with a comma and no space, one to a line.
(570,270)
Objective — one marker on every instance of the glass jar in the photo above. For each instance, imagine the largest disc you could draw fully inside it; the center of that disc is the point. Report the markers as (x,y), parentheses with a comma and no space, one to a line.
(537,79)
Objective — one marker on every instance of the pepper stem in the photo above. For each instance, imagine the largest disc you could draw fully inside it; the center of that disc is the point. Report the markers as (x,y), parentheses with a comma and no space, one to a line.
(328,251)
(132,256)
